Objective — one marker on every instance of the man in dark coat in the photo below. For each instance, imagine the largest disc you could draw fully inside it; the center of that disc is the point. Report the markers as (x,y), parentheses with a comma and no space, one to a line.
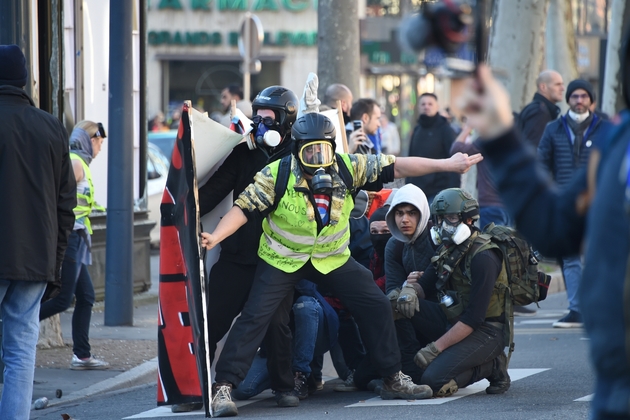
(36,217)
(564,148)
(432,138)
(542,109)
(558,221)
(231,277)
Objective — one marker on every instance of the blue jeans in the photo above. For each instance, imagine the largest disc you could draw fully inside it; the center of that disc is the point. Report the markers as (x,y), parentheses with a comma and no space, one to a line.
(494,214)
(309,338)
(256,381)
(75,281)
(19,308)
(572,272)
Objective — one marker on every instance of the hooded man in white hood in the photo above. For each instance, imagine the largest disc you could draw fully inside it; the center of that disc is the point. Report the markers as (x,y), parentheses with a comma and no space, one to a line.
(407,254)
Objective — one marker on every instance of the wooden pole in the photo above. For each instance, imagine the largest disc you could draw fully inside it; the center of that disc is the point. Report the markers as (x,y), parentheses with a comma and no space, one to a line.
(342,127)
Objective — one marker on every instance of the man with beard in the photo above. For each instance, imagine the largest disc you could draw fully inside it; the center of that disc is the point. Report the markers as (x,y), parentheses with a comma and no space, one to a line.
(564,148)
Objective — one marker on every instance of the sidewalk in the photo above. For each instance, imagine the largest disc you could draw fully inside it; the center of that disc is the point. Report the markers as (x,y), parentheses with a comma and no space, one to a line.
(131,352)
(127,369)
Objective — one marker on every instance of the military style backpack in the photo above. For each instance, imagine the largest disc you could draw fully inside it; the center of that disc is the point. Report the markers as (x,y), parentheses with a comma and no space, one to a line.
(527,284)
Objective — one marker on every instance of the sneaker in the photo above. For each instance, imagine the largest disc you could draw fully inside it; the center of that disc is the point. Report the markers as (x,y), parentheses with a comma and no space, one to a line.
(400,386)
(375,385)
(91,363)
(314,385)
(301,389)
(524,311)
(447,389)
(222,404)
(186,407)
(287,398)
(499,378)
(347,385)
(571,320)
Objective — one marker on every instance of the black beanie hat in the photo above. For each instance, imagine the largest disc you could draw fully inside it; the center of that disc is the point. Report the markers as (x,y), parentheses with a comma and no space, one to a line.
(12,66)
(580,84)
(379,214)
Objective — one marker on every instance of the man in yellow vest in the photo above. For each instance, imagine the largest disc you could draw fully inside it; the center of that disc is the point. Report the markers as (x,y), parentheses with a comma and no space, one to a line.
(306,235)
(468,279)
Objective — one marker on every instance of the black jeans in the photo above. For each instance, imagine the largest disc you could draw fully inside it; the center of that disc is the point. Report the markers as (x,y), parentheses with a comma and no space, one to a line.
(468,361)
(352,283)
(75,281)
(229,284)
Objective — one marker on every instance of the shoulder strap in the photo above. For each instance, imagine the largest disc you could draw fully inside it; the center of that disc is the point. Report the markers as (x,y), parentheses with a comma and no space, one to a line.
(282,179)
(346,176)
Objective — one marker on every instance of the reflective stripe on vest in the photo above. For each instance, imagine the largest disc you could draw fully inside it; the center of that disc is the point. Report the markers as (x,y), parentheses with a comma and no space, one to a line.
(85,202)
(290,236)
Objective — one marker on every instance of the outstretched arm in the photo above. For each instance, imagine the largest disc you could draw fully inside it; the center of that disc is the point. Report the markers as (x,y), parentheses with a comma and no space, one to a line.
(418,166)
(230,223)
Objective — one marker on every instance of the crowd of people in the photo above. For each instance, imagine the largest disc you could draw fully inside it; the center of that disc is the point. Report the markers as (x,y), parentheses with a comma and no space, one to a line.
(444,325)
(402,287)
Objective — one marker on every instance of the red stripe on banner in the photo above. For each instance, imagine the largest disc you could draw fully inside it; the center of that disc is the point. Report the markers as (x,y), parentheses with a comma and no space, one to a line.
(171,257)
(177,338)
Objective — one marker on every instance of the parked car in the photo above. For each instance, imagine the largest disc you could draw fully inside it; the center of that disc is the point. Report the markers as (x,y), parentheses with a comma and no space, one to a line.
(157,172)
(165,140)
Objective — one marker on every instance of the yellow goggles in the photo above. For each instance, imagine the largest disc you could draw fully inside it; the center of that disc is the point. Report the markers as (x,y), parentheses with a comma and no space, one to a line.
(317,154)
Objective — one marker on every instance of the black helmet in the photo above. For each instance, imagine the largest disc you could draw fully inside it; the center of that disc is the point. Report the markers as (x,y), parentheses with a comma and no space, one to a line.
(313,126)
(282,101)
(455,201)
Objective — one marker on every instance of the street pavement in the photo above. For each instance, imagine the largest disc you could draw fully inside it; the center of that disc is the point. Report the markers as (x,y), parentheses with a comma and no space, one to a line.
(550,373)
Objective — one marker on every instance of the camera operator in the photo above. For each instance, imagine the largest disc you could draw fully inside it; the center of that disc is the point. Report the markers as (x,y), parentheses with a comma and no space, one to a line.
(556,223)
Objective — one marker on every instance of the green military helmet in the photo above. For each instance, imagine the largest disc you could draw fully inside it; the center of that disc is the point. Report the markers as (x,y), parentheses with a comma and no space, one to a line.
(455,201)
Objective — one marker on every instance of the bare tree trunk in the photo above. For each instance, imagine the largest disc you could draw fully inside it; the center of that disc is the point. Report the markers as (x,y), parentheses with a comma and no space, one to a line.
(50,333)
(338,46)
(612,100)
(517,45)
(560,46)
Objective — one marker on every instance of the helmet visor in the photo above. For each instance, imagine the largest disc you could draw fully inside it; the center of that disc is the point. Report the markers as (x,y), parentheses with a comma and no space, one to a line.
(317,154)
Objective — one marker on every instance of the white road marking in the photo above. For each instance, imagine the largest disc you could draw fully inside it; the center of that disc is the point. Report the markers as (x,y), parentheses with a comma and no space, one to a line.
(515,375)
(165,411)
(588,398)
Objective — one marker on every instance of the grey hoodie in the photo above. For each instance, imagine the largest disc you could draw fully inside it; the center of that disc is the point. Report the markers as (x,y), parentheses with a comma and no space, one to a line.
(409,194)
(403,254)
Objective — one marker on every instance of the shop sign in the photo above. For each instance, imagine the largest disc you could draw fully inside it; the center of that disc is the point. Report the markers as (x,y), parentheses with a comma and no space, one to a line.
(201,38)
(237,5)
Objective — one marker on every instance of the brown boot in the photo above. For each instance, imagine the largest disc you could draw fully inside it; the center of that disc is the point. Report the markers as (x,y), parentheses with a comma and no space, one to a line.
(499,378)
(400,386)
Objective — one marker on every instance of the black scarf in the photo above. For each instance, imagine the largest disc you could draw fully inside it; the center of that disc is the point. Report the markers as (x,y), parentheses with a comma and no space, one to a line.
(427,121)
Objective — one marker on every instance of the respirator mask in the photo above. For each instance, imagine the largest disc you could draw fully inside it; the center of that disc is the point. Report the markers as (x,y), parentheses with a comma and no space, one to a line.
(315,157)
(450,229)
(265,133)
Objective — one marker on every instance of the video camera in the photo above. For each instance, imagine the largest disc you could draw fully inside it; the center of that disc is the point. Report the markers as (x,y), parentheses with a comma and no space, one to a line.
(447,25)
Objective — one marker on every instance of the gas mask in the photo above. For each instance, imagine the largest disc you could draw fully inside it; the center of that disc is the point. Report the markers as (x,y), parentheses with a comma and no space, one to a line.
(315,155)
(265,133)
(322,182)
(449,232)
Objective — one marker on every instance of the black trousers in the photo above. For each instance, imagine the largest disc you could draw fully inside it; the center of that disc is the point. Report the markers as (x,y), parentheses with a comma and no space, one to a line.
(229,284)
(351,283)
(466,362)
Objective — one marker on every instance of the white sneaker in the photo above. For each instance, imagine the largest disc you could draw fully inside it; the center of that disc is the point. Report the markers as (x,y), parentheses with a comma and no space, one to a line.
(90,363)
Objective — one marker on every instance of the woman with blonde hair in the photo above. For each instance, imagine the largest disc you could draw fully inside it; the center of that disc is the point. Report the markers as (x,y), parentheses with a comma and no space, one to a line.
(86,142)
